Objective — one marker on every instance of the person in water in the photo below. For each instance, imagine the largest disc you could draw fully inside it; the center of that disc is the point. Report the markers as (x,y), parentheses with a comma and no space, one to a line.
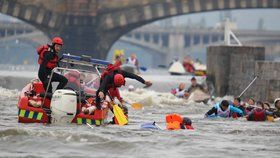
(179,92)
(118,61)
(176,122)
(188,65)
(113,78)
(133,61)
(194,86)
(259,113)
(223,109)
(237,104)
(250,105)
(48,60)
(277,107)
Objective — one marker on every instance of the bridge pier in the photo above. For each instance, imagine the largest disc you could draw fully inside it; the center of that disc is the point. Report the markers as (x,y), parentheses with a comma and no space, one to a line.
(232,68)
(176,45)
(87,41)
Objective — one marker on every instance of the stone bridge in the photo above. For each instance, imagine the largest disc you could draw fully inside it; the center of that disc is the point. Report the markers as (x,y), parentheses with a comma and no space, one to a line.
(177,41)
(92,26)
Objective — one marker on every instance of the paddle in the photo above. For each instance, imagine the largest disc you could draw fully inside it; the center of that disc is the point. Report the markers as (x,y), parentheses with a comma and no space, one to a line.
(118,112)
(248,86)
(136,106)
(120,116)
(90,125)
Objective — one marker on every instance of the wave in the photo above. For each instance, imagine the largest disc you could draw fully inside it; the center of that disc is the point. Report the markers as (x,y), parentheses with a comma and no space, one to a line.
(7,93)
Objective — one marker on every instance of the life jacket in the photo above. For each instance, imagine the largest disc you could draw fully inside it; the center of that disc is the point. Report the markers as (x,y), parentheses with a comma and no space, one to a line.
(174,91)
(234,115)
(114,92)
(179,93)
(41,52)
(131,61)
(118,63)
(188,67)
(110,70)
(173,121)
(259,114)
(222,113)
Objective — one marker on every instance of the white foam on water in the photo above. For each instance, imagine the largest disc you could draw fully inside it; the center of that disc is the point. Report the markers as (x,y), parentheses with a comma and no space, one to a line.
(7,93)
(152,98)
(211,137)
(26,74)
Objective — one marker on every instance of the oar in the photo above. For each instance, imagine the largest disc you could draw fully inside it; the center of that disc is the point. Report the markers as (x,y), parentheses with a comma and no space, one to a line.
(120,116)
(118,112)
(90,125)
(136,106)
(248,86)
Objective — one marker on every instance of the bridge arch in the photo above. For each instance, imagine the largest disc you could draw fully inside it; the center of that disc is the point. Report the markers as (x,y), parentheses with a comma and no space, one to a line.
(96,31)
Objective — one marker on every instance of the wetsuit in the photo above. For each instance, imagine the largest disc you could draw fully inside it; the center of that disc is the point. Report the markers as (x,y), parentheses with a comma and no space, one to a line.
(107,84)
(216,110)
(45,72)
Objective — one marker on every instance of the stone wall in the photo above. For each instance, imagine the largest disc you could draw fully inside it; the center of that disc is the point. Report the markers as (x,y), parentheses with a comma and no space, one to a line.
(242,69)
(231,68)
(267,86)
(218,60)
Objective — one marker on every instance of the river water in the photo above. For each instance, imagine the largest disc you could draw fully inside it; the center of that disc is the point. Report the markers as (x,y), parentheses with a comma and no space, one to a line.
(211,137)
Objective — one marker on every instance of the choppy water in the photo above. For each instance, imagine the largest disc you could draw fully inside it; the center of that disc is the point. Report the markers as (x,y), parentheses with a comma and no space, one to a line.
(211,137)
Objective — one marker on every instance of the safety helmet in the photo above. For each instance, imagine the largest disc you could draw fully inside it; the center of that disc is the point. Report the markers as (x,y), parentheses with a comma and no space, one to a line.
(276,100)
(187,121)
(119,80)
(57,40)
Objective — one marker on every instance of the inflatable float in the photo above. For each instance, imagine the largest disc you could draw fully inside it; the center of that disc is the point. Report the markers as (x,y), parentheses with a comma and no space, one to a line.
(177,69)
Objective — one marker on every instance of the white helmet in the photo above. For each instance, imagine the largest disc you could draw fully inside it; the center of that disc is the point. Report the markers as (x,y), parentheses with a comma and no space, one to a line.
(276,100)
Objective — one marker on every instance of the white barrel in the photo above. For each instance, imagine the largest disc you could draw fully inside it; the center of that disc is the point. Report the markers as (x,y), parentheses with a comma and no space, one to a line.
(63,106)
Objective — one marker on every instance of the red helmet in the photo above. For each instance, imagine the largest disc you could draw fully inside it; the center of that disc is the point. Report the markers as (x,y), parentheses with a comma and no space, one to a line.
(119,80)
(57,40)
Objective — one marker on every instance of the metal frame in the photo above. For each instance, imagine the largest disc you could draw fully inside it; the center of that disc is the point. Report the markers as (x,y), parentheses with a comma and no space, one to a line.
(68,61)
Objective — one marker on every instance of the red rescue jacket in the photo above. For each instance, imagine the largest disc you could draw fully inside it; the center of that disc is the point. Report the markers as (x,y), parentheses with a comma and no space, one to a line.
(109,71)
(259,114)
(41,52)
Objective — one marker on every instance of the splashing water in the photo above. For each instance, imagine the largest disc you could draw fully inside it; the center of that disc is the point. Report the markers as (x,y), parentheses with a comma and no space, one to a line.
(211,137)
